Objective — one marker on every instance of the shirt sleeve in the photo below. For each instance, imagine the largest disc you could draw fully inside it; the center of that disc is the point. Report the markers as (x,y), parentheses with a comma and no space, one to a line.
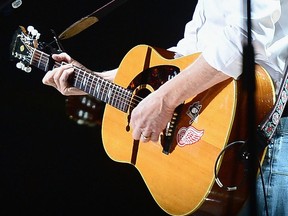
(188,44)
(227,54)
(229,34)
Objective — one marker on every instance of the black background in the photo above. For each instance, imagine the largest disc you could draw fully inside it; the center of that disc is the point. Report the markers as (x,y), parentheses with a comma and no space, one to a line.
(49,164)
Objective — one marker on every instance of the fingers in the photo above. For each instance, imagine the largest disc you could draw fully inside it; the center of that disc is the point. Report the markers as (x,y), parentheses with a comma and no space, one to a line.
(61,76)
(58,77)
(154,137)
(62,57)
(145,135)
(145,138)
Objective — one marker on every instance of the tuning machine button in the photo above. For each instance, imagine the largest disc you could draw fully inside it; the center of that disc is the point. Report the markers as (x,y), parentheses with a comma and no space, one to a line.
(19,65)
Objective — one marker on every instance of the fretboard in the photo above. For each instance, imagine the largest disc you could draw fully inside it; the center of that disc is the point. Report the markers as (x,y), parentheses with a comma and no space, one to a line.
(102,89)
(90,83)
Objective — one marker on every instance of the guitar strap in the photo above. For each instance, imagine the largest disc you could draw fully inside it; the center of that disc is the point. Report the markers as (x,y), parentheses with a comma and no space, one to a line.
(268,126)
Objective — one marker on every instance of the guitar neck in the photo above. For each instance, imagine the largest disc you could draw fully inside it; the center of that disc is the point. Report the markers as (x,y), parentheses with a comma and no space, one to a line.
(90,83)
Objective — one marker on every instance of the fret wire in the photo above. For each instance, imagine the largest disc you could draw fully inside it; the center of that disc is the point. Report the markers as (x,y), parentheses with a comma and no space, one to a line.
(83,81)
(114,90)
(118,98)
(108,91)
(100,85)
(93,87)
(89,75)
(33,54)
(116,101)
(105,91)
(84,84)
(123,95)
(80,81)
(88,87)
(108,95)
(102,90)
(39,61)
(96,86)
(120,101)
(77,83)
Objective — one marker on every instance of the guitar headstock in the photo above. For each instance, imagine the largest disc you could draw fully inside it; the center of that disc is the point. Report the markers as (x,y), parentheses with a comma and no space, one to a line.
(23,45)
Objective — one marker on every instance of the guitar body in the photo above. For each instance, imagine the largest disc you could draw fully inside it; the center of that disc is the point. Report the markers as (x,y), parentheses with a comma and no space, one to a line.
(183,181)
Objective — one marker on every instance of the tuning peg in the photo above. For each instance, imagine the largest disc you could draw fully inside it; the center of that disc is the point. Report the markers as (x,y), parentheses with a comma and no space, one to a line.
(30,29)
(34,32)
(27,69)
(19,65)
(37,36)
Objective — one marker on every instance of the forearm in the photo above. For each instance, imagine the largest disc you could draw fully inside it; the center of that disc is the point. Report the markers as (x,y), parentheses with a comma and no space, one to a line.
(193,80)
(108,75)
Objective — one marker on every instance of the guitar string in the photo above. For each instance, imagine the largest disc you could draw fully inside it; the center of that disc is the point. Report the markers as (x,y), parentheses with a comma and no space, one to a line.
(43,58)
(135,100)
(105,87)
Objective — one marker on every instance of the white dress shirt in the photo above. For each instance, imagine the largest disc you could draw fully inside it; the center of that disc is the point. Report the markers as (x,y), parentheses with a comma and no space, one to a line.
(219,30)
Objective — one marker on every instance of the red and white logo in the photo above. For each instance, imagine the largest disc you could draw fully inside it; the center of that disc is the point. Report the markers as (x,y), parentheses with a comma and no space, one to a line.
(188,136)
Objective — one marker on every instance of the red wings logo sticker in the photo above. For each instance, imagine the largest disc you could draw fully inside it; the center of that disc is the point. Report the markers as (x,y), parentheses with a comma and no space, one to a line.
(188,136)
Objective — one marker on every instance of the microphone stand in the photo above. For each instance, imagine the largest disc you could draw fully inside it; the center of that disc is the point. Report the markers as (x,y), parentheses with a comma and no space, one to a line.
(249,86)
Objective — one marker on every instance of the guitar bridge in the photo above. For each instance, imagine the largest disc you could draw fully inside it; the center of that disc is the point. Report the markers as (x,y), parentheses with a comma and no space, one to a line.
(168,135)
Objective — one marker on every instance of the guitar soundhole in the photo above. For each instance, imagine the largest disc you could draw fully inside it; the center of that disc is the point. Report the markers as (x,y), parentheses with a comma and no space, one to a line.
(142,93)
(152,78)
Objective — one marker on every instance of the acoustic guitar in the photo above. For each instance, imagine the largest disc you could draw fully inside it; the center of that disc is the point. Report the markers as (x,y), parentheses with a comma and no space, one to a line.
(199,165)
